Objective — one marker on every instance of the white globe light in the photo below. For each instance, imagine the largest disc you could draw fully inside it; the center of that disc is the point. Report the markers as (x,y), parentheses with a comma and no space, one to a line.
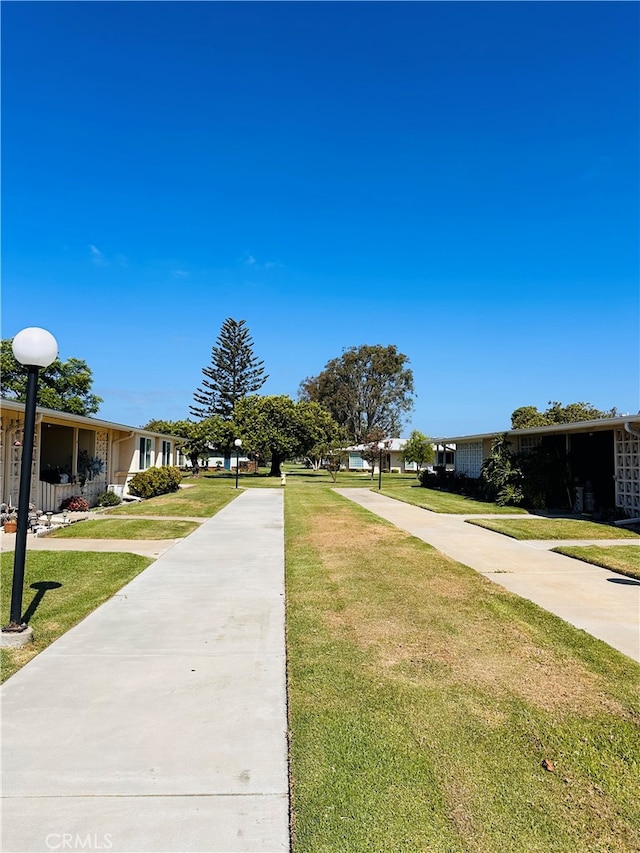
(381,445)
(35,347)
(238,442)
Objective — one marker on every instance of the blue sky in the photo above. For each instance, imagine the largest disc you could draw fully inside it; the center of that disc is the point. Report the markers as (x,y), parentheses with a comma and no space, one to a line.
(458,179)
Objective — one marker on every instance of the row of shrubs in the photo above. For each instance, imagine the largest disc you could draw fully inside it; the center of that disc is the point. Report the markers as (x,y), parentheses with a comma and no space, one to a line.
(452,481)
(145,484)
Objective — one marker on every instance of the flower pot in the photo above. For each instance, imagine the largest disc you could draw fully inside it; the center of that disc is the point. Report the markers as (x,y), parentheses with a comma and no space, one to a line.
(10,526)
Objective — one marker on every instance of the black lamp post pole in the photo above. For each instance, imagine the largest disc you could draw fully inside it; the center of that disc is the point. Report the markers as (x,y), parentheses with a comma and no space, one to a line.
(380,471)
(15,618)
(237,463)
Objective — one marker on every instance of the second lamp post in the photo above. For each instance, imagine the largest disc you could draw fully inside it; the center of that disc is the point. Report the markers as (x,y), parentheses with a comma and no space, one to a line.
(381,446)
(238,444)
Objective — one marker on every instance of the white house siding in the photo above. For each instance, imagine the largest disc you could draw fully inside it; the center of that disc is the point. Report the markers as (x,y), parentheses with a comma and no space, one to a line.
(468,459)
(115,445)
(627,459)
(12,436)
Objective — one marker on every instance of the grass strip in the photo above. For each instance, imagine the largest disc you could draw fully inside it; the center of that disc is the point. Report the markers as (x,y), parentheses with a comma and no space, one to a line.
(132,528)
(424,700)
(61,588)
(552,528)
(623,559)
(446,502)
(203,497)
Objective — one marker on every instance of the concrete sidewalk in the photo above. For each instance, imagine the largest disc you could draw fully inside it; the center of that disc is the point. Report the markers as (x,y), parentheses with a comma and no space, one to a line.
(158,724)
(603,603)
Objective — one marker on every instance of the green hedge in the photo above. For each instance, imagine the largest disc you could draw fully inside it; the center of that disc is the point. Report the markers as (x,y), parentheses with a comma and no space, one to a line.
(155,481)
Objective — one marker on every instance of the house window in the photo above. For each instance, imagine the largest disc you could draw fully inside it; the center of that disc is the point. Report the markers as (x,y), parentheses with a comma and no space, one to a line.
(145,454)
(166,453)
(355,460)
(529,442)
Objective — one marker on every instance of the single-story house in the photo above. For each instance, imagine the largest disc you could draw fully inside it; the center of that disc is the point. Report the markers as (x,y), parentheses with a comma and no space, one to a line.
(391,458)
(603,457)
(222,460)
(76,455)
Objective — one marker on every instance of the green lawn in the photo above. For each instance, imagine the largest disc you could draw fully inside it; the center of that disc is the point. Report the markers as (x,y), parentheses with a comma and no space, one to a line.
(80,581)
(552,528)
(446,502)
(424,700)
(202,498)
(121,528)
(624,559)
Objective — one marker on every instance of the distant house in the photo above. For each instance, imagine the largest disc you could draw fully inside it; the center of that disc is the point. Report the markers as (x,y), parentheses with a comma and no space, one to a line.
(222,460)
(391,458)
(603,457)
(75,455)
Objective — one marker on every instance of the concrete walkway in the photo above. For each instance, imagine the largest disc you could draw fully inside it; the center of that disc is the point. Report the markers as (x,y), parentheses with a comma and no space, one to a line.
(145,547)
(158,725)
(603,603)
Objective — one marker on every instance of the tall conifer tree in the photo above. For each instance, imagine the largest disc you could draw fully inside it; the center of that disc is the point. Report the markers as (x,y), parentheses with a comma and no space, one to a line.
(233,373)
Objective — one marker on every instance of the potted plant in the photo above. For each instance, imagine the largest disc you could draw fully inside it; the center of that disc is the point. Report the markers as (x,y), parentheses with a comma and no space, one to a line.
(9,518)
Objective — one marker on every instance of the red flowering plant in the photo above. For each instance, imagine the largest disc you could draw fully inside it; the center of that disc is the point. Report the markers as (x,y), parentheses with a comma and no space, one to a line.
(76,503)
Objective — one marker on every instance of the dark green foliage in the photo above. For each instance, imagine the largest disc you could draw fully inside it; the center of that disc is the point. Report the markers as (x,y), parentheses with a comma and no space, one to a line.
(64,386)
(366,388)
(418,449)
(200,437)
(501,477)
(233,373)
(538,478)
(277,428)
(527,417)
(452,481)
(108,499)
(155,481)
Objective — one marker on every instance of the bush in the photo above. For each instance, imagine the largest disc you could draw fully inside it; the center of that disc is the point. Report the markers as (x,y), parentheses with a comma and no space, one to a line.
(108,499)
(155,481)
(428,479)
(76,503)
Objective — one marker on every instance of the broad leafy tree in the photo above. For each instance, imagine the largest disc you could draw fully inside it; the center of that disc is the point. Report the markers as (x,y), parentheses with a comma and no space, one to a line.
(64,386)
(366,388)
(278,428)
(419,449)
(233,373)
(199,437)
(527,417)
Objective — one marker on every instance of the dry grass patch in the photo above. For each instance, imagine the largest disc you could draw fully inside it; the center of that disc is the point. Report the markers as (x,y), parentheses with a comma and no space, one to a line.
(424,699)
(419,599)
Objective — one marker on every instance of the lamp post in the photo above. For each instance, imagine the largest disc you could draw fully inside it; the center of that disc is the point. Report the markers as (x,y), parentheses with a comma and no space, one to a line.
(380,448)
(238,444)
(34,348)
